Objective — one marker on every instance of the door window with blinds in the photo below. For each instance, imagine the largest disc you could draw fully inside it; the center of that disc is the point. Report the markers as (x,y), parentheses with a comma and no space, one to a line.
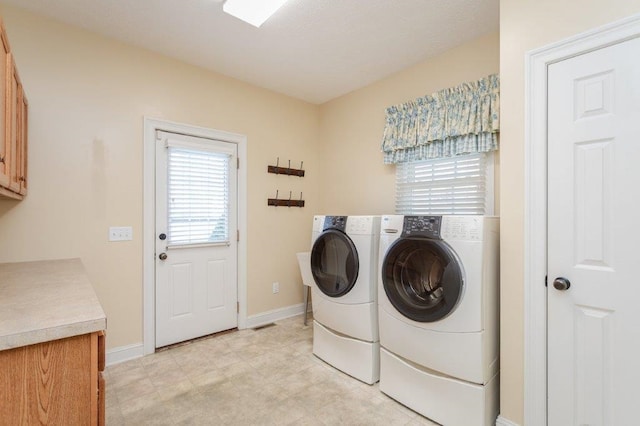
(461,185)
(198,196)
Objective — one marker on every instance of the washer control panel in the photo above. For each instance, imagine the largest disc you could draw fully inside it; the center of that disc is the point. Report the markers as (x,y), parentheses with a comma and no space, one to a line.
(335,222)
(423,226)
(468,228)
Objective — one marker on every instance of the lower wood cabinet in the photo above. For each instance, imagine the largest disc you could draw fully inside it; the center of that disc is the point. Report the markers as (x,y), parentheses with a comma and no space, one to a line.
(58,382)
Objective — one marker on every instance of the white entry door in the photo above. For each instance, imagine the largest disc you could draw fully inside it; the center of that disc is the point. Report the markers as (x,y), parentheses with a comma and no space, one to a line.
(593,238)
(196,237)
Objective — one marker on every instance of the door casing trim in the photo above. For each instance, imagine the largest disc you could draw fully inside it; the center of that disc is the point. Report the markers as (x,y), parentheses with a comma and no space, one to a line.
(535,208)
(148,232)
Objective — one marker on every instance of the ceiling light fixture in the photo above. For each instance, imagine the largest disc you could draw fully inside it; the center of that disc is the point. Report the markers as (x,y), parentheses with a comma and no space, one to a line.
(254,12)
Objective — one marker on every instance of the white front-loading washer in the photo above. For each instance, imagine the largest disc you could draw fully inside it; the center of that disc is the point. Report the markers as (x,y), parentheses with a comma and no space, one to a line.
(438,316)
(344,263)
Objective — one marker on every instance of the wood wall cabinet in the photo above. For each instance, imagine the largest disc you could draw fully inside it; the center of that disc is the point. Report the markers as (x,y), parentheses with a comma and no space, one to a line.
(13,125)
(54,383)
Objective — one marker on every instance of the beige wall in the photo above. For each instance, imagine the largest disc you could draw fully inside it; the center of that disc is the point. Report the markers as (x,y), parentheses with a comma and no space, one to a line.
(352,126)
(527,25)
(88,96)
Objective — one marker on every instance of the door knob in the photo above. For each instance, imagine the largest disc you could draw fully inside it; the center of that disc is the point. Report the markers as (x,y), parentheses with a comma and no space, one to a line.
(561,284)
(163,256)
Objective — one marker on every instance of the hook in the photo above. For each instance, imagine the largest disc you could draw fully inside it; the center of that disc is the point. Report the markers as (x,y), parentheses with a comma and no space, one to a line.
(286,170)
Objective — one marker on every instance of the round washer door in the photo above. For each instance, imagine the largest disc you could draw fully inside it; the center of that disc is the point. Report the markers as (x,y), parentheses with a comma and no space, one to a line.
(423,278)
(334,263)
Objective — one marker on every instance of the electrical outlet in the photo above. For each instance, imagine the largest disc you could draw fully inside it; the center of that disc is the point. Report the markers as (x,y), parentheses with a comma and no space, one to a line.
(276,287)
(120,233)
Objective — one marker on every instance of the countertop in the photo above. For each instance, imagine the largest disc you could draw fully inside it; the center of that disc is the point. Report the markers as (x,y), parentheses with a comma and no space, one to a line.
(46,300)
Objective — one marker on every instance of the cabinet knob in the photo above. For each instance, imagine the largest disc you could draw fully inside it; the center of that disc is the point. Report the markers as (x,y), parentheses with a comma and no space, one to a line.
(2,159)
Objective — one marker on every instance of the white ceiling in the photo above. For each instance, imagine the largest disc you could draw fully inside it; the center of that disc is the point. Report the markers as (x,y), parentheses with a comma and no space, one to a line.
(314,50)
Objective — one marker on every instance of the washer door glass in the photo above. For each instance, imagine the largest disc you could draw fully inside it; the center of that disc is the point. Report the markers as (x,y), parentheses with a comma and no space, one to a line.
(334,263)
(422,278)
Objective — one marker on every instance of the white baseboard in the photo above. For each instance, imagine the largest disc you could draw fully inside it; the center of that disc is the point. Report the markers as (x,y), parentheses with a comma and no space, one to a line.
(274,315)
(124,353)
(501,421)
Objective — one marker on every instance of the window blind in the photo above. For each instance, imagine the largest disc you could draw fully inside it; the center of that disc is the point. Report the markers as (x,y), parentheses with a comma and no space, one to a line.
(198,194)
(446,186)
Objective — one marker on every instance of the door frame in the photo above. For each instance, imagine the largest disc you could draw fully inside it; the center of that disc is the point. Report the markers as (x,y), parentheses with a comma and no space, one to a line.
(535,201)
(149,211)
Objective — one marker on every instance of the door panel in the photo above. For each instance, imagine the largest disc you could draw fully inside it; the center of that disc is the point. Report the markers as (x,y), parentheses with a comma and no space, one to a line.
(216,278)
(592,213)
(593,203)
(181,290)
(196,258)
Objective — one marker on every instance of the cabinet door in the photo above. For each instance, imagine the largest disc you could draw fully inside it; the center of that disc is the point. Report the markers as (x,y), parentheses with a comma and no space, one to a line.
(101,400)
(12,127)
(5,147)
(50,383)
(23,109)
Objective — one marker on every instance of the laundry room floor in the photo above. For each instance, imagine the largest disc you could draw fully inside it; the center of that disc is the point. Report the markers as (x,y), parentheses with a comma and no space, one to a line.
(266,376)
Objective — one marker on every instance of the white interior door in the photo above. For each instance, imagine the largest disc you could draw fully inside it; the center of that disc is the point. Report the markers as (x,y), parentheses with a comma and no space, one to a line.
(593,236)
(196,237)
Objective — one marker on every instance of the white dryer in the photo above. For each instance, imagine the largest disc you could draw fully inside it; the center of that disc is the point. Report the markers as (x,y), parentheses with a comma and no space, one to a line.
(438,316)
(344,265)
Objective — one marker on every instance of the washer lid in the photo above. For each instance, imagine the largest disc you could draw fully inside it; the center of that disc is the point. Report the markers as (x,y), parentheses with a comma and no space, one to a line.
(334,263)
(423,278)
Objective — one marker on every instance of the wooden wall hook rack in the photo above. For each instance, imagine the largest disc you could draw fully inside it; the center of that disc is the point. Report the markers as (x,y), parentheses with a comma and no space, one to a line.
(286,170)
(280,202)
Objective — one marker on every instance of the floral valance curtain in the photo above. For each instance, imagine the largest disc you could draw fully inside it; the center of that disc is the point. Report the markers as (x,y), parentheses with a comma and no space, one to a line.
(459,120)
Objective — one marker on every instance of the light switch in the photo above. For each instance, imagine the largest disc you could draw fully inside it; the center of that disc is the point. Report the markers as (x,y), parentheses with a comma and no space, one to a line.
(120,233)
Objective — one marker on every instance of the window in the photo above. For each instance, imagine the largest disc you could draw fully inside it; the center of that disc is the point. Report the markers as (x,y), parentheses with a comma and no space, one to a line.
(446,186)
(198,193)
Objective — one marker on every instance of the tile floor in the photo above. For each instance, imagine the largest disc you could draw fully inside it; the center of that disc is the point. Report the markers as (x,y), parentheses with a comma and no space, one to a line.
(250,377)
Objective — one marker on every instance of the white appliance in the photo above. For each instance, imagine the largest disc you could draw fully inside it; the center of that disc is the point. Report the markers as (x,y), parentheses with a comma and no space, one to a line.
(344,264)
(438,316)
